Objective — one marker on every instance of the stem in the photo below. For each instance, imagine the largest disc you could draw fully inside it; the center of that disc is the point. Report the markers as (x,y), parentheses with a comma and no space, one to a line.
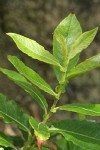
(50,112)
(60,91)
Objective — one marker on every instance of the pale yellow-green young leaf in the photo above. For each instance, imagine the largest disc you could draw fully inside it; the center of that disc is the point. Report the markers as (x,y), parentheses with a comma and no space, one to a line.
(82,42)
(33,49)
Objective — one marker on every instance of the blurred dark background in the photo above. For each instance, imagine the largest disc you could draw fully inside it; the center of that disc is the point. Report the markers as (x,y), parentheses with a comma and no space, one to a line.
(37,19)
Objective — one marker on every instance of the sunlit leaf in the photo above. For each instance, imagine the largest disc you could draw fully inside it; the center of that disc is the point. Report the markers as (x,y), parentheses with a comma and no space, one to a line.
(66,32)
(31,75)
(33,49)
(85,66)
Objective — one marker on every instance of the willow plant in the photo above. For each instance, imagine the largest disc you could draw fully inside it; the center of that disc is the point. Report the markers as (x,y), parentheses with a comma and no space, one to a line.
(80,134)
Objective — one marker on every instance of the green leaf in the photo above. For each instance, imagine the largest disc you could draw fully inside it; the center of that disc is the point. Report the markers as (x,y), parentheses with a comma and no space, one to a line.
(33,49)
(86,109)
(82,42)
(70,30)
(31,75)
(45,148)
(41,130)
(5,141)
(34,123)
(85,66)
(11,113)
(82,133)
(23,83)
(61,144)
(73,62)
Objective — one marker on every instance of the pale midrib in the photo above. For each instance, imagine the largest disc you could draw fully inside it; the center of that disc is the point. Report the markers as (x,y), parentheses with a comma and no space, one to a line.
(61,131)
(69,28)
(55,62)
(85,109)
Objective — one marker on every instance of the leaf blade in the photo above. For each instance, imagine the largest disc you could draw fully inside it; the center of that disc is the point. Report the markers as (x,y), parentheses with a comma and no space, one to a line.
(82,42)
(41,130)
(33,49)
(12,113)
(86,109)
(31,75)
(85,66)
(5,141)
(70,29)
(23,83)
(82,133)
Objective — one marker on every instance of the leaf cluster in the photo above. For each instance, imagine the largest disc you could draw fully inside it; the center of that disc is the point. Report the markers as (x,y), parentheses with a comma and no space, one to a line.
(68,42)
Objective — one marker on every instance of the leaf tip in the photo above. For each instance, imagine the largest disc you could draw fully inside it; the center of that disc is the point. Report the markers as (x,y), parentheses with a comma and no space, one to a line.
(10,34)
(73,13)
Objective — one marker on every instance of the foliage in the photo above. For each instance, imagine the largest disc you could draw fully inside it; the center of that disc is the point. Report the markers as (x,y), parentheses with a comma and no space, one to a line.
(68,43)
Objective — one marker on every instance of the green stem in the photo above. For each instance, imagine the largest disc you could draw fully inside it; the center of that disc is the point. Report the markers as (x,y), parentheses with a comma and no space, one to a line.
(60,91)
(49,115)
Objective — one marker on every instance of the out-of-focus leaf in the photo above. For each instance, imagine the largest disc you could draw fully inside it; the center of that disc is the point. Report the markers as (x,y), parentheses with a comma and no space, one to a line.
(11,113)
(45,148)
(5,141)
